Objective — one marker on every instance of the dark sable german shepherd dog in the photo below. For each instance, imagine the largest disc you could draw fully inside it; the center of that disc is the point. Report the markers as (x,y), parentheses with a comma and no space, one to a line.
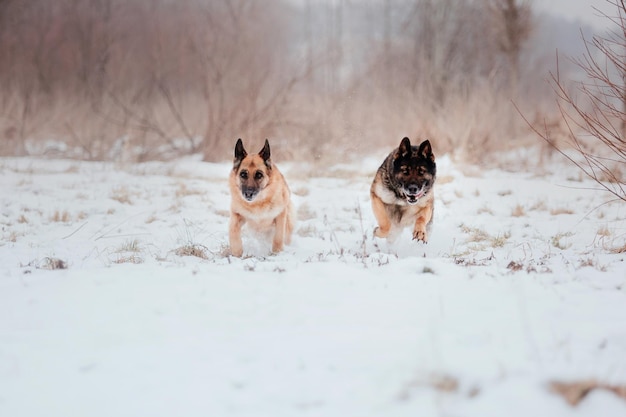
(402,191)
(260,198)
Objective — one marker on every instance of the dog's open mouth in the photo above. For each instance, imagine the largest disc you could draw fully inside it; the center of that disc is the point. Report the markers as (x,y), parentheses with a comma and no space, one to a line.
(412,198)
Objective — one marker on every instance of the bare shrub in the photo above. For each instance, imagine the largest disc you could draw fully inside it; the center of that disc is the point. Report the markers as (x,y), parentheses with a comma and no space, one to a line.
(134,81)
(595,111)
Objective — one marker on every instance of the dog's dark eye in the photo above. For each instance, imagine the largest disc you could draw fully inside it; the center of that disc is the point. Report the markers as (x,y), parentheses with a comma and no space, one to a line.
(258,175)
(243,175)
(405,171)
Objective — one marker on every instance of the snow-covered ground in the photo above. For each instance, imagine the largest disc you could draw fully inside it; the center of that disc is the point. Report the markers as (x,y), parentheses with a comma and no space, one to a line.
(105,310)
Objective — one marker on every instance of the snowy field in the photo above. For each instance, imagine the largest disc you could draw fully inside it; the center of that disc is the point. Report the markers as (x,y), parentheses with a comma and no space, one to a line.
(118,297)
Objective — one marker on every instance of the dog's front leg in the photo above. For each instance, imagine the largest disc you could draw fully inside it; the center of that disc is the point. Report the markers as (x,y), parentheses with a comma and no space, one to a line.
(384,224)
(234,234)
(280,224)
(424,216)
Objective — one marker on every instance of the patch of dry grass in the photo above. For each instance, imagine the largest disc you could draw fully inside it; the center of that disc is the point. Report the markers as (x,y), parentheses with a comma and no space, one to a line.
(576,391)
(121,194)
(591,263)
(619,249)
(130,246)
(482,239)
(53,264)
(129,252)
(175,207)
(518,211)
(500,240)
(194,249)
(183,191)
(475,234)
(129,259)
(561,210)
(556,240)
(604,231)
(151,219)
(60,216)
(12,236)
(540,205)
(440,382)
(307,231)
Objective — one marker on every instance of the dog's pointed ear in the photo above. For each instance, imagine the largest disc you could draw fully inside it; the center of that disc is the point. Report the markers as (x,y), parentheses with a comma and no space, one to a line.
(240,152)
(265,154)
(405,147)
(426,151)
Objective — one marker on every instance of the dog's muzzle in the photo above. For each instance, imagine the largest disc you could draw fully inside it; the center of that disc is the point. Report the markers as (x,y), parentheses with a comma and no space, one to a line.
(249,193)
(414,193)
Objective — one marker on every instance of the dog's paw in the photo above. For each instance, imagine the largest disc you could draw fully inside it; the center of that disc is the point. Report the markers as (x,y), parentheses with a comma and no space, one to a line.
(378,232)
(420,235)
(236,251)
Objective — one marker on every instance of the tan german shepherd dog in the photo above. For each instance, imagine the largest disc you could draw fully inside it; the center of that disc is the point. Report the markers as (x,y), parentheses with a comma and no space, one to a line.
(260,198)
(402,191)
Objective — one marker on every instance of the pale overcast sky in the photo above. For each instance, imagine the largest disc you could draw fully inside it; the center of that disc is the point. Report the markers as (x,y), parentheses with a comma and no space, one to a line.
(578,10)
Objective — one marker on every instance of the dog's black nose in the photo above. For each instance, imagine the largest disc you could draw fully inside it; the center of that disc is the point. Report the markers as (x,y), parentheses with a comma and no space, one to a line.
(248,194)
(413,189)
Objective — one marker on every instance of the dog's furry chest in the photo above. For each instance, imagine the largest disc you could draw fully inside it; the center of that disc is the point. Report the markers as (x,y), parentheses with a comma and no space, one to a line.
(404,215)
(398,210)
(260,215)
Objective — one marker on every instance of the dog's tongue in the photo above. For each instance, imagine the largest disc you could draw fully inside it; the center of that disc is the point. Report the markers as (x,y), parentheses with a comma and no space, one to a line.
(419,194)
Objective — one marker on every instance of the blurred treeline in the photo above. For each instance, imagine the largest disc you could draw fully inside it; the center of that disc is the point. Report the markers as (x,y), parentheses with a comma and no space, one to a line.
(153,79)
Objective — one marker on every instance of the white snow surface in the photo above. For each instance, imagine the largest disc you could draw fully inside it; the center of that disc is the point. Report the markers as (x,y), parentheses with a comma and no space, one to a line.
(520,285)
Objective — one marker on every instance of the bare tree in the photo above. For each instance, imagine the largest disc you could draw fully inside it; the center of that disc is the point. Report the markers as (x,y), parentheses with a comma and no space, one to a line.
(595,112)
(247,77)
(512,25)
(172,77)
